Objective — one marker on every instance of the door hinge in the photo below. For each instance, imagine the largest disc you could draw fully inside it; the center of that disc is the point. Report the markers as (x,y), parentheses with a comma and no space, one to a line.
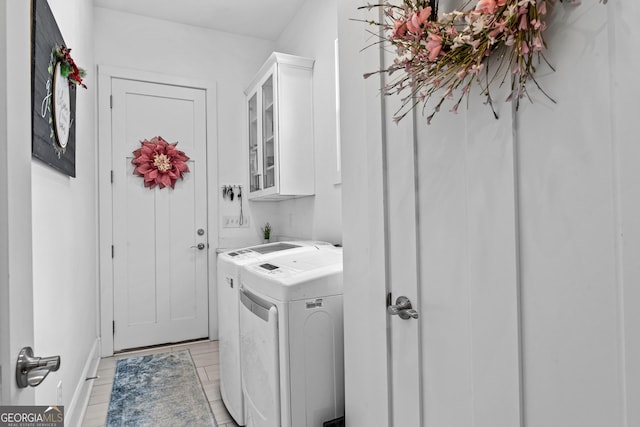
(111,101)
(113,324)
(113,251)
(112,177)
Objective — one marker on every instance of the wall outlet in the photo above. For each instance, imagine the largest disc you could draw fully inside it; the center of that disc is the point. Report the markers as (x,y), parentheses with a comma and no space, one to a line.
(234,222)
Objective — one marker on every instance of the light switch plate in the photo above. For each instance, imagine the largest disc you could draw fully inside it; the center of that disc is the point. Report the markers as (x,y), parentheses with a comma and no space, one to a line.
(234,222)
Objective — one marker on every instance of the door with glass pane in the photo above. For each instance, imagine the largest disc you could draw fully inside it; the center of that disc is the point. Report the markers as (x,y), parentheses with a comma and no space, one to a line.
(262,136)
(254,172)
(268,136)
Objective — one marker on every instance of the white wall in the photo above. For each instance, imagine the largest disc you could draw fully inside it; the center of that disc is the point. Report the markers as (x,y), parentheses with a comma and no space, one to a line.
(65,235)
(312,33)
(227,60)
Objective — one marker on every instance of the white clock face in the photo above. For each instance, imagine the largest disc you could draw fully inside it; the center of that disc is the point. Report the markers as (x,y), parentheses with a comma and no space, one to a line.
(61,107)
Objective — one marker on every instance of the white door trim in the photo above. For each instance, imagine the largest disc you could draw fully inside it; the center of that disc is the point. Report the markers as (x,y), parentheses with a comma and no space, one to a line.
(367,375)
(105,75)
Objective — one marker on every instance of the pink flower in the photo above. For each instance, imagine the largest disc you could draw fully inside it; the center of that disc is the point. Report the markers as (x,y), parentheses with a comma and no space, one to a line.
(159,163)
(418,19)
(399,29)
(523,10)
(475,69)
(500,26)
(510,40)
(537,44)
(524,24)
(434,46)
(516,68)
(486,6)
(542,7)
(475,44)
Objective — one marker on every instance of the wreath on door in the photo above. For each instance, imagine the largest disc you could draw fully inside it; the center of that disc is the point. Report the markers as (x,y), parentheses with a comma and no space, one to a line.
(444,55)
(63,73)
(159,163)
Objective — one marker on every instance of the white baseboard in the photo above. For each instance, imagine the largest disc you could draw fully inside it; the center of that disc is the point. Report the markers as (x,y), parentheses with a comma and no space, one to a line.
(75,413)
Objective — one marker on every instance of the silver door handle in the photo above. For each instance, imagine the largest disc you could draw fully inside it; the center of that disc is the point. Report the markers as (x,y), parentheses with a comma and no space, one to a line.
(402,308)
(31,371)
(200,246)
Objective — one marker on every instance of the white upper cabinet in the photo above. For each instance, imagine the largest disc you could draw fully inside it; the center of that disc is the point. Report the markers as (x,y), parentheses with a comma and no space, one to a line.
(280,115)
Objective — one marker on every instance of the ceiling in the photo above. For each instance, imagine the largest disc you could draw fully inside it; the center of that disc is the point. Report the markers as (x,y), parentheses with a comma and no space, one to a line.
(263,19)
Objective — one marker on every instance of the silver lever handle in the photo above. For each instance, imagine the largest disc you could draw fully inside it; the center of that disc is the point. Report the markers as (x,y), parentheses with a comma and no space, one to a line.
(410,313)
(31,371)
(200,246)
(402,308)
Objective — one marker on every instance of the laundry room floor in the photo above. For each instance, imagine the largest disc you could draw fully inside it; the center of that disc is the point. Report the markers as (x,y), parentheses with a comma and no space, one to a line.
(205,357)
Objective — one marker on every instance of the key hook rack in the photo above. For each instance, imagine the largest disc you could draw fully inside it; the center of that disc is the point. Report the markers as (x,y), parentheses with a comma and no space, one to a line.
(231,192)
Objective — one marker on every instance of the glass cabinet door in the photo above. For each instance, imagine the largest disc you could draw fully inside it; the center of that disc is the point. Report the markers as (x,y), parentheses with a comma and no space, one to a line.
(254,172)
(268,149)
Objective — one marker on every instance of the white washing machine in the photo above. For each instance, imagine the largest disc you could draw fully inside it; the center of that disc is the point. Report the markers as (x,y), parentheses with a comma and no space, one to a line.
(229,264)
(291,340)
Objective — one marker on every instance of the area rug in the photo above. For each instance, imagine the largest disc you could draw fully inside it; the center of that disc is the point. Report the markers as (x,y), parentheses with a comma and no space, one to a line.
(158,390)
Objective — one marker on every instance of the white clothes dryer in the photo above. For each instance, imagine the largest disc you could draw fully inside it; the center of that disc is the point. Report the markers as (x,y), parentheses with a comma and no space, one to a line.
(291,340)
(229,264)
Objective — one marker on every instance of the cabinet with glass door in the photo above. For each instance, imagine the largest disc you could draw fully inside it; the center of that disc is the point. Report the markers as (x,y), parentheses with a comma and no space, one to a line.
(280,116)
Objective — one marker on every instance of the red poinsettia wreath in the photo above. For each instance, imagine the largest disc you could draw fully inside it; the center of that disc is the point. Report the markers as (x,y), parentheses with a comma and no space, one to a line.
(159,163)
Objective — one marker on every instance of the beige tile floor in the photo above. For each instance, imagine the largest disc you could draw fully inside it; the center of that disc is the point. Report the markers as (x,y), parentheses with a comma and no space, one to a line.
(205,357)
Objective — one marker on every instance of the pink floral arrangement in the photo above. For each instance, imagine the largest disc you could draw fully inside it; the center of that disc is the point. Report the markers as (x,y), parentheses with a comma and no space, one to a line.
(159,163)
(443,56)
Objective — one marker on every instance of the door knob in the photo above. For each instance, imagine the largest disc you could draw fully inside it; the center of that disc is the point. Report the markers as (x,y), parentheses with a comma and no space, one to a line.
(31,371)
(199,246)
(403,309)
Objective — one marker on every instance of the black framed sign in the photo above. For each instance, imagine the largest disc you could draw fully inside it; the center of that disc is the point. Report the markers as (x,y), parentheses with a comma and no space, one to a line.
(53,99)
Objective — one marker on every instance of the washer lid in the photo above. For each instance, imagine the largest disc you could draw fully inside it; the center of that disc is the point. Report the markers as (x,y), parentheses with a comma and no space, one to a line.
(274,247)
(269,250)
(296,276)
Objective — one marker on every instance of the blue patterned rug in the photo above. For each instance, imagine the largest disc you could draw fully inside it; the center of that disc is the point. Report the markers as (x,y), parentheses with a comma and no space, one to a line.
(158,390)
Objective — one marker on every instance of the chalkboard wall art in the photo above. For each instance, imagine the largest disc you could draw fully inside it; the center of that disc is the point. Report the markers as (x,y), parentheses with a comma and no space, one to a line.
(53,127)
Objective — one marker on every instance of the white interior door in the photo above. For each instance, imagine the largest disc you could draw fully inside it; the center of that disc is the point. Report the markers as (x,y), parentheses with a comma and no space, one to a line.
(159,235)
(449,203)
(448,243)
(522,264)
(451,213)
(16,263)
